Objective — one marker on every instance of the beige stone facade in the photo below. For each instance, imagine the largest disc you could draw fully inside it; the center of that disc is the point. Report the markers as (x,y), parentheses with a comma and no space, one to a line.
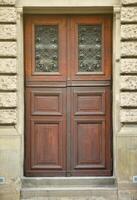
(124,93)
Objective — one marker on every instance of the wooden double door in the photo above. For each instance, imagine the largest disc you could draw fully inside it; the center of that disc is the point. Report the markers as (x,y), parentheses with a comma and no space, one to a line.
(68,95)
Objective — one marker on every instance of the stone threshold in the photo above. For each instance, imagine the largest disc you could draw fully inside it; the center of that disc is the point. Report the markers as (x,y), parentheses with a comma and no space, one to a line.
(68,181)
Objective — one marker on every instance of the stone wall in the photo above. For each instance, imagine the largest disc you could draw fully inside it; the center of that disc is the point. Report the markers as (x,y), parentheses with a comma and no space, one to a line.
(127,137)
(9,137)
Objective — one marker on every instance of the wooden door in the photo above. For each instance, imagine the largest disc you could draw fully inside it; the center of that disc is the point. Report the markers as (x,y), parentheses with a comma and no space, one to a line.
(68,95)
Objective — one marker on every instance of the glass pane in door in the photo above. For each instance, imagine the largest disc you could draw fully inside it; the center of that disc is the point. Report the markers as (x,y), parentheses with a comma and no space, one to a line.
(46,48)
(90,48)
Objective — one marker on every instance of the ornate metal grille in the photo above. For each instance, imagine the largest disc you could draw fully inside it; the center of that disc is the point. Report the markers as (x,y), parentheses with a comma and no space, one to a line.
(90,48)
(46,48)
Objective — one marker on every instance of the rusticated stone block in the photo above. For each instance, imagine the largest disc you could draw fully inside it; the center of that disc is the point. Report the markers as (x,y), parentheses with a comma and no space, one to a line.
(128,49)
(129,2)
(8,116)
(129,82)
(129,99)
(7,14)
(128,65)
(8,99)
(128,115)
(129,31)
(129,14)
(8,65)
(7,2)
(7,32)
(8,82)
(8,49)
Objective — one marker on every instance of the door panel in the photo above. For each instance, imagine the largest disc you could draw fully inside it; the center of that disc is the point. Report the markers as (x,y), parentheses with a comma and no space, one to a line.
(68,95)
(46,132)
(90,133)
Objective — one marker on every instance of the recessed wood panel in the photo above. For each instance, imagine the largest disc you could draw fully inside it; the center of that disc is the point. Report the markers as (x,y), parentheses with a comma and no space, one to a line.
(89,101)
(48,102)
(47,145)
(89,144)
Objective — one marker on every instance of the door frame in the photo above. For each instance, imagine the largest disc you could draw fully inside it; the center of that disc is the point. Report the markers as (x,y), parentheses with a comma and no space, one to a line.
(115,70)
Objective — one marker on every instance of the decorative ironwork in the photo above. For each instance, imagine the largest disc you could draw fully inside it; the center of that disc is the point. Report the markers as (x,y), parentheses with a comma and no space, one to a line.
(90,48)
(46,48)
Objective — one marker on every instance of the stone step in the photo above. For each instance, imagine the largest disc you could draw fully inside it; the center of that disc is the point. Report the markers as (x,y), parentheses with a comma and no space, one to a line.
(67,182)
(69,193)
(69,188)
